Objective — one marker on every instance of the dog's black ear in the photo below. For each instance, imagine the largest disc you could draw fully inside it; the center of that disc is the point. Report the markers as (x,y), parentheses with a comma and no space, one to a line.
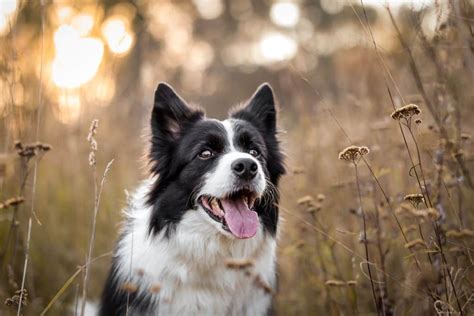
(260,109)
(170,113)
(170,117)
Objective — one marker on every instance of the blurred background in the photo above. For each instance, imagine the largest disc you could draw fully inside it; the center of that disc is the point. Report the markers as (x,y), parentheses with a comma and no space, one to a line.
(338,68)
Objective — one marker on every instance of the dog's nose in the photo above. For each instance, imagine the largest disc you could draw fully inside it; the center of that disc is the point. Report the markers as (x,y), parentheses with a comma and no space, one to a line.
(245,168)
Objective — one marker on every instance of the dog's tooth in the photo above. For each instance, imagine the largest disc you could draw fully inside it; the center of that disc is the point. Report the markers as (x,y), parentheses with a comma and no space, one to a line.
(252,201)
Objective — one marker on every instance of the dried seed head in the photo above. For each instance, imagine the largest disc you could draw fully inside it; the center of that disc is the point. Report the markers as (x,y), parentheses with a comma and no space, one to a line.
(299,170)
(17,144)
(414,199)
(313,208)
(92,160)
(129,287)
(418,121)
(406,112)
(305,200)
(239,264)
(92,142)
(353,153)
(335,283)
(463,233)
(321,197)
(12,202)
(260,283)
(15,299)
(155,288)
(465,136)
(415,243)
(93,129)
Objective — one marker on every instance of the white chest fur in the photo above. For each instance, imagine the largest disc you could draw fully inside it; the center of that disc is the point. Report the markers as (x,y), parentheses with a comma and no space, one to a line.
(189,266)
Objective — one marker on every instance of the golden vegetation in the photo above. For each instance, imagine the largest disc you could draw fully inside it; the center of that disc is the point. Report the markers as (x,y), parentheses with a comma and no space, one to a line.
(390,232)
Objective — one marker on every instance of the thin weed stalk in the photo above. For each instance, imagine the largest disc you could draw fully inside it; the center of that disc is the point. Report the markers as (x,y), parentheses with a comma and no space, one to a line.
(97,195)
(35,170)
(366,248)
(436,227)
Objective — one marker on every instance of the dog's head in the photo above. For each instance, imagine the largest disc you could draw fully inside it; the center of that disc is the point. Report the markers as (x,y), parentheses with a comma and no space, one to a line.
(227,170)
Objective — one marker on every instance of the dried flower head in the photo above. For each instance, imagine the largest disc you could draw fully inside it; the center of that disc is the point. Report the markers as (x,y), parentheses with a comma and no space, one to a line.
(260,283)
(129,287)
(15,299)
(321,197)
(465,136)
(305,200)
(155,288)
(406,112)
(415,243)
(239,264)
(92,141)
(299,170)
(93,129)
(418,121)
(335,283)
(12,202)
(30,150)
(463,233)
(414,199)
(353,153)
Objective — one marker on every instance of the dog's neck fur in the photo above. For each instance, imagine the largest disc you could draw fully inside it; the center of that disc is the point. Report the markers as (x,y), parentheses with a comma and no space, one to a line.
(186,273)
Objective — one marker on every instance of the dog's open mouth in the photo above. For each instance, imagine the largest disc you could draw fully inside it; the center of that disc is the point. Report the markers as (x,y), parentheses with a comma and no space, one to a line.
(234,212)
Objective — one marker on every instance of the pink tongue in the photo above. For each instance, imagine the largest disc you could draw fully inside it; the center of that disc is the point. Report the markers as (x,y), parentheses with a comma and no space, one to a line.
(242,221)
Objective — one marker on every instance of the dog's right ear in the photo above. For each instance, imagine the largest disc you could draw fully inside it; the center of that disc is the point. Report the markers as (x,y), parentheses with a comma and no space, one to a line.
(170,113)
(170,116)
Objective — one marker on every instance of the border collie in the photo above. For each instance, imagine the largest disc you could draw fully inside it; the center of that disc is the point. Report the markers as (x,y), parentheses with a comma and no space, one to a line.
(211,200)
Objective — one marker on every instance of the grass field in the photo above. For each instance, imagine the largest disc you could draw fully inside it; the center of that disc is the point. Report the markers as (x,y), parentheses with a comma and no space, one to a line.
(376,117)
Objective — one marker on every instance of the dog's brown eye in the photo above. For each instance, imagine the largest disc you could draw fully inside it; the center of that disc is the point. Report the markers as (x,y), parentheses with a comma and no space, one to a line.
(254,152)
(205,154)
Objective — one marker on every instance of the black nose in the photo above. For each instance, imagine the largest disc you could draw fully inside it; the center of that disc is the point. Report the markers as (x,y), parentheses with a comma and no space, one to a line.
(245,168)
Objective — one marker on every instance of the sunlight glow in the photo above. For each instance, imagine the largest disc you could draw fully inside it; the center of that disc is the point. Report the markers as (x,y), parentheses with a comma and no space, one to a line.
(7,12)
(69,107)
(414,4)
(285,14)
(118,36)
(275,47)
(77,59)
(209,9)
(83,23)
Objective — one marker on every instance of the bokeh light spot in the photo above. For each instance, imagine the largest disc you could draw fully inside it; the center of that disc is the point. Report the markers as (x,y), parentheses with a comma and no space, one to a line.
(117,34)
(276,47)
(209,9)
(77,59)
(285,14)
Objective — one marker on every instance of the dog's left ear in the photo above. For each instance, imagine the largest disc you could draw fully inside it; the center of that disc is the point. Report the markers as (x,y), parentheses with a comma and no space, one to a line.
(260,109)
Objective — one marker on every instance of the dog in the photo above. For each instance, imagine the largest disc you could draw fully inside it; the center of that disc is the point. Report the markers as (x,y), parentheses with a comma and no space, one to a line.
(200,234)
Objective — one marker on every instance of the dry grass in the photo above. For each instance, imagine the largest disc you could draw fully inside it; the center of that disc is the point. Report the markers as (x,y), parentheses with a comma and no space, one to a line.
(390,231)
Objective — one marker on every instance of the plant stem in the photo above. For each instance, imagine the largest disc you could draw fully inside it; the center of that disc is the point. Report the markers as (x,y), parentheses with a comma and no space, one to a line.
(365,239)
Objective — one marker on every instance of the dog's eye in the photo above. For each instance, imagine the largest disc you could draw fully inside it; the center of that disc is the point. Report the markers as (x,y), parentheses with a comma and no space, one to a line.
(254,152)
(205,154)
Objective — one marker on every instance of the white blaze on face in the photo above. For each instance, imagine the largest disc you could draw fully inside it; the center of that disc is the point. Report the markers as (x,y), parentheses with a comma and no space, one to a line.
(221,181)
(234,214)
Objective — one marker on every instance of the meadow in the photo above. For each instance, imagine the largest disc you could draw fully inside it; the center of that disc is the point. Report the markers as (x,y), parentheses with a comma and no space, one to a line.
(376,117)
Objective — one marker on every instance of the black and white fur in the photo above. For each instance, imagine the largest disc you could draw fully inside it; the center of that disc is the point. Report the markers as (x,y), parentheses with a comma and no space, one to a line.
(170,241)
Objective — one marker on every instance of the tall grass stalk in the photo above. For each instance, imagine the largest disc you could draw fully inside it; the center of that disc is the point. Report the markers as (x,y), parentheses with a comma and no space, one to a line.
(365,241)
(35,170)
(98,188)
